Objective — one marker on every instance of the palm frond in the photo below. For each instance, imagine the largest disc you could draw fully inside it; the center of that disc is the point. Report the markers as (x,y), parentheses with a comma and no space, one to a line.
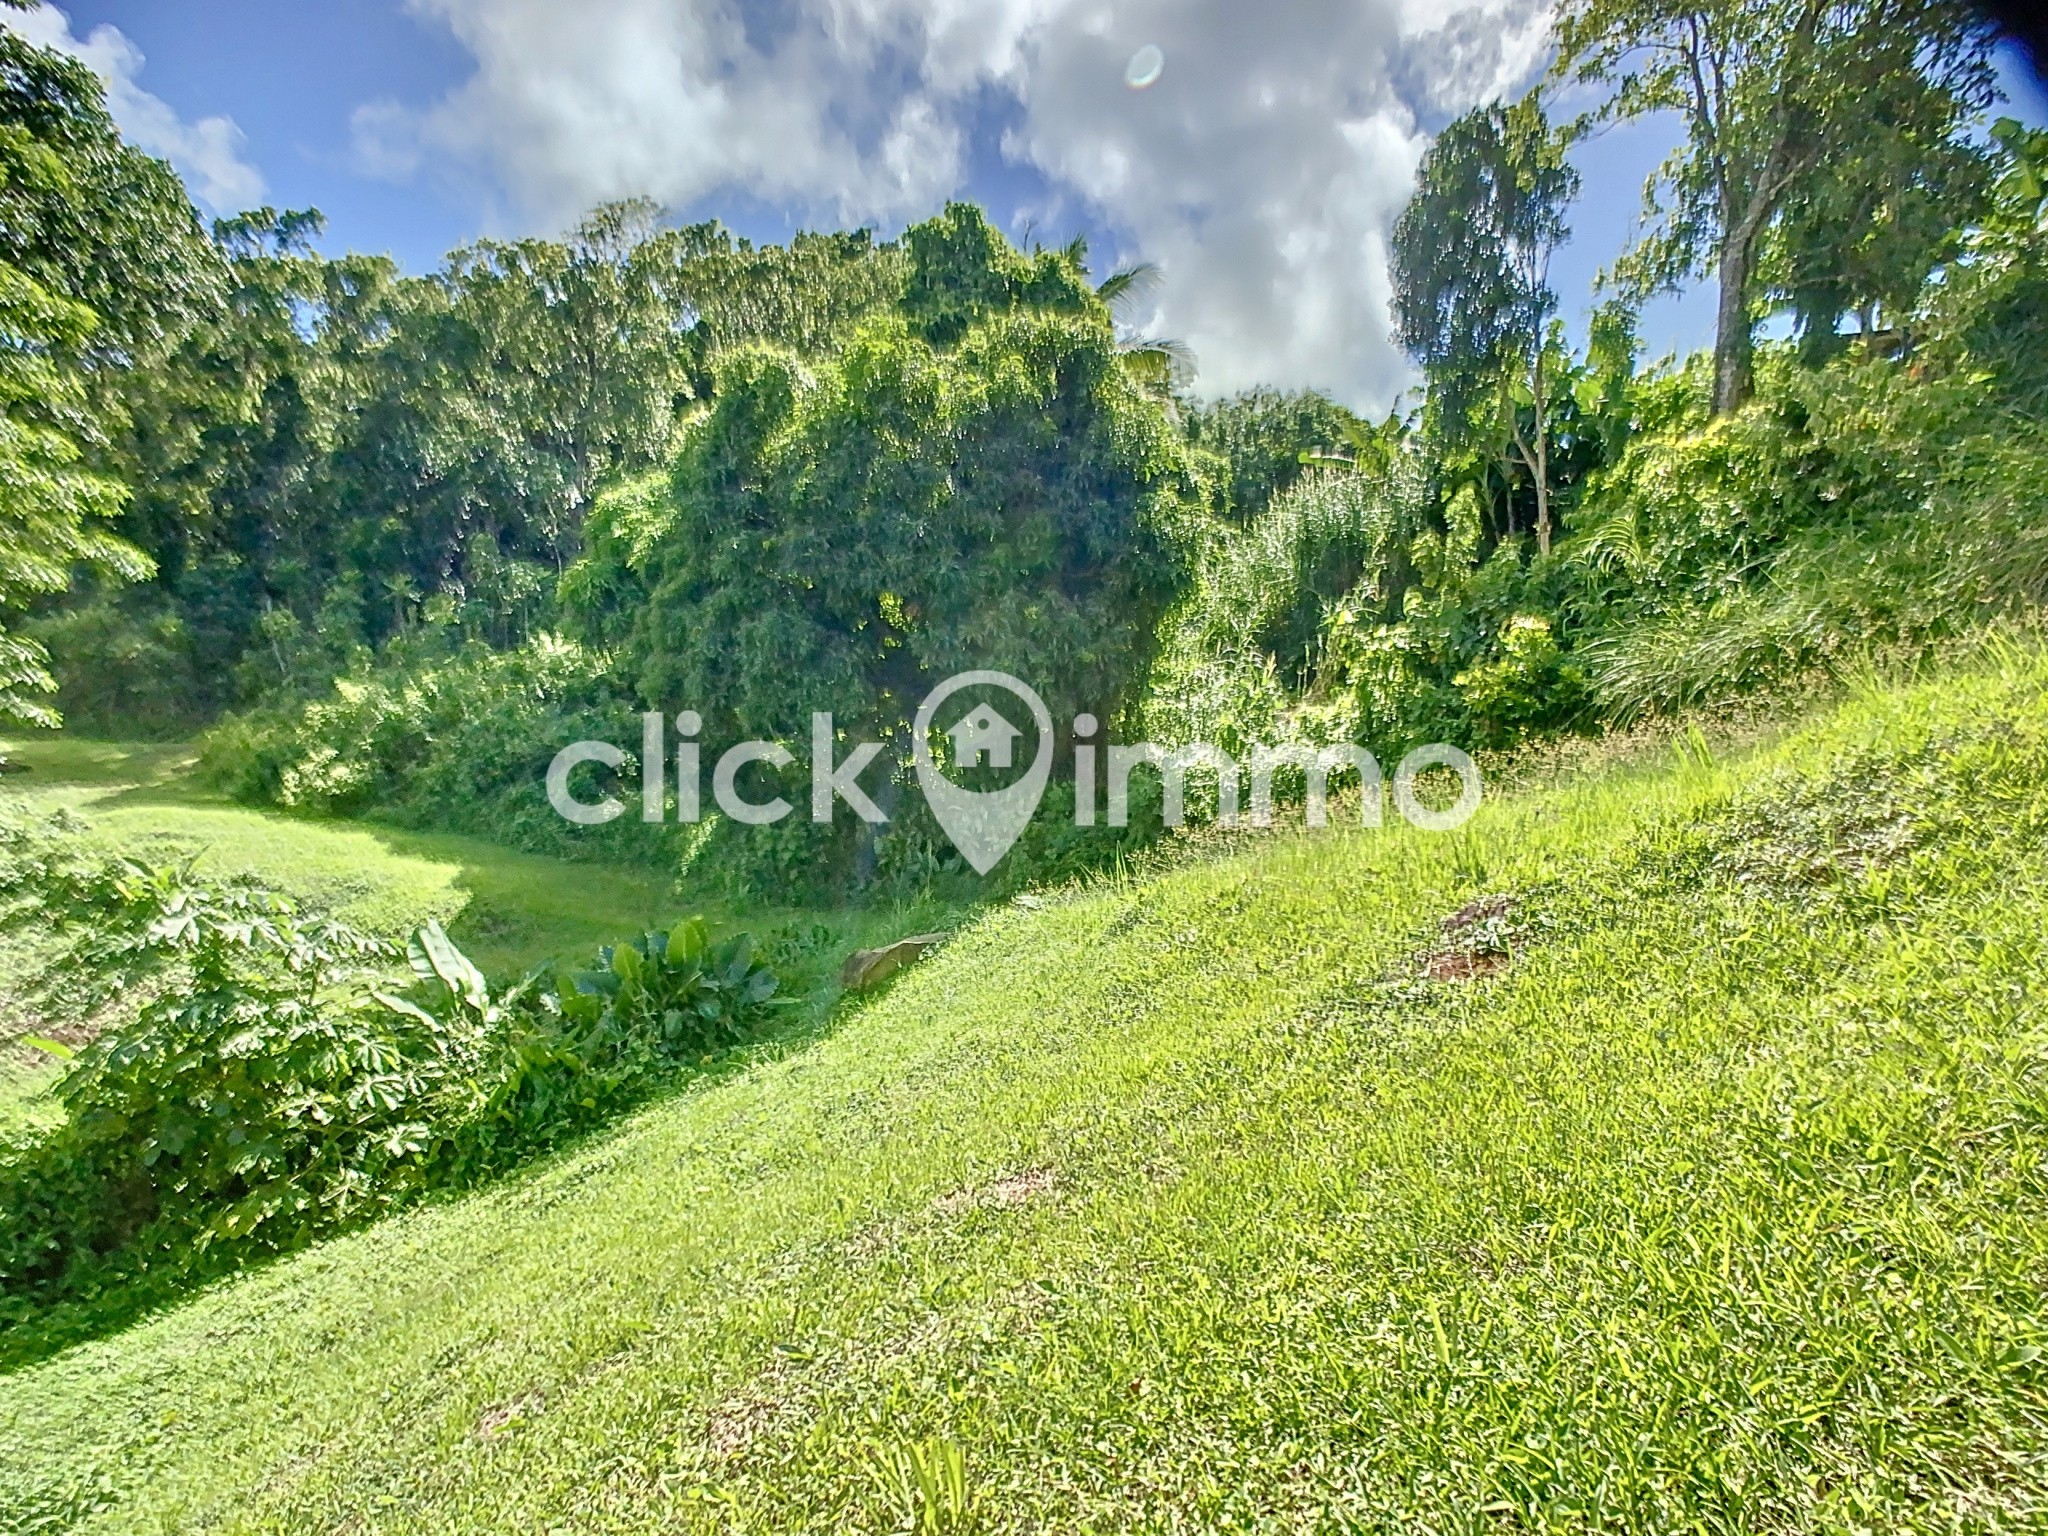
(1158,363)
(1130,285)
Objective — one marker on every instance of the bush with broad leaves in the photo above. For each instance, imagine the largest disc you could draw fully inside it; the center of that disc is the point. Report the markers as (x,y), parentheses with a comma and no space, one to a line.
(287,1076)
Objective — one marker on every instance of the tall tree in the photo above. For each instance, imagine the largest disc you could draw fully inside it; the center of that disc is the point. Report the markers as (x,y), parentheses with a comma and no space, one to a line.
(52,510)
(567,359)
(226,442)
(1769,91)
(1471,270)
(804,295)
(1881,211)
(54,136)
(971,481)
(435,436)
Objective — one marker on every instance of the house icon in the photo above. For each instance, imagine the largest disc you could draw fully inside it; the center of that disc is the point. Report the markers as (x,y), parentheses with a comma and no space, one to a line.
(983,736)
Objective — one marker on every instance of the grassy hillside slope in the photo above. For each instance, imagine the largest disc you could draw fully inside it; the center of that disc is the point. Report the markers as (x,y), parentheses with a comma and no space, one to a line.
(1666,1151)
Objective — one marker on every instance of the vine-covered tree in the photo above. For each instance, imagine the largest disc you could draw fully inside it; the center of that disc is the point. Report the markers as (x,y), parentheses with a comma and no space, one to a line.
(972,481)
(1471,273)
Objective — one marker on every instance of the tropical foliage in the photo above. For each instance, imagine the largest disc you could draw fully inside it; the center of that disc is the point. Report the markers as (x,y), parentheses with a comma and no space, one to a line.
(285,1075)
(1701,1178)
(64,175)
(387,542)
(355,511)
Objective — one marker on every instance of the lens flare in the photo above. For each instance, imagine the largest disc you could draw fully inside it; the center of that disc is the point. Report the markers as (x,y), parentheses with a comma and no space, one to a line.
(1145,67)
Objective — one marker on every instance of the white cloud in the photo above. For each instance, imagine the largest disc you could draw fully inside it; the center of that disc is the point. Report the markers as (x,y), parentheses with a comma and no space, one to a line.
(1263,171)
(207,153)
(574,104)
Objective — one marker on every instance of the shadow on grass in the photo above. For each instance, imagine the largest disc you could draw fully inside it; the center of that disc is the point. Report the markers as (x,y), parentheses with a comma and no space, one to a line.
(514,909)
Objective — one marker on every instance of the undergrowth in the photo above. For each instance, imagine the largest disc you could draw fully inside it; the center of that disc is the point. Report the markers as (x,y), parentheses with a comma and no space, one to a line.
(281,1076)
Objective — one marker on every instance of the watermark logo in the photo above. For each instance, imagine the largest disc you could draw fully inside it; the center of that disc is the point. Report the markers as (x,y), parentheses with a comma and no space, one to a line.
(984,825)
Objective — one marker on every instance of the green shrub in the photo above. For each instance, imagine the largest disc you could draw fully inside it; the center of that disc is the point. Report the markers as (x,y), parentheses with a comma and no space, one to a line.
(463,742)
(1873,505)
(1337,536)
(1696,512)
(124,665)
(1393,679)
(677,990)
(1927,526)
(244,756)
(287,1076)
(457,740)
(1533,686)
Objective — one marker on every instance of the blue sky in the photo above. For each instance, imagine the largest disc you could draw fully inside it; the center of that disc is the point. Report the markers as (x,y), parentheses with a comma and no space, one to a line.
(1261,170)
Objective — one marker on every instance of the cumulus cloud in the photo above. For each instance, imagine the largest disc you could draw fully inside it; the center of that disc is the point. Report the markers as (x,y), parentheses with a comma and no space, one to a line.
(207,153)
(1262,171)
(680,98)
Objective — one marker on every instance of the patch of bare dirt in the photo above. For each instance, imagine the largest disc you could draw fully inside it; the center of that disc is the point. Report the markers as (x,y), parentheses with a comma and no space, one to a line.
(1457,965)
(1479,912)
(1009,1191)
(1476,940)
(502,1416)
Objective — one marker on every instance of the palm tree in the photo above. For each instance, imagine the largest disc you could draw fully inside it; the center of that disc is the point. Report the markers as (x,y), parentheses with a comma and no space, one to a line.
(1158,365)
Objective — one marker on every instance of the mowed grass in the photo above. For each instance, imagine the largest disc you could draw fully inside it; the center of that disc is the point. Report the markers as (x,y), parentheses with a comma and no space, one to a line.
(1231,1200)
(511,910)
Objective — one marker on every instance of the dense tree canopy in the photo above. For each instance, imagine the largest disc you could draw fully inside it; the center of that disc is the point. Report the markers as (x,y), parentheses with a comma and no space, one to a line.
(970,482)
(79,214)
(115,230)
(328,450)
(409,529)
(1264,441)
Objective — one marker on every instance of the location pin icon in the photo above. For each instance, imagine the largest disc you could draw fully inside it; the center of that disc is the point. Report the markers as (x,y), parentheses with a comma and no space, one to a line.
(983,824)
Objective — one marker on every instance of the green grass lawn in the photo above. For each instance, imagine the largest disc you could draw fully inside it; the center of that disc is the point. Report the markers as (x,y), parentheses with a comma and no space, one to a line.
(1693,1180)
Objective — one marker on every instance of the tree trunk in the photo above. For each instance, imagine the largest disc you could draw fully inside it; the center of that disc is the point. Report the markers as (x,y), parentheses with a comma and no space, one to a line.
(867,852)
(1733,344)
(1536,460)
(1746,206)
(1542,464)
